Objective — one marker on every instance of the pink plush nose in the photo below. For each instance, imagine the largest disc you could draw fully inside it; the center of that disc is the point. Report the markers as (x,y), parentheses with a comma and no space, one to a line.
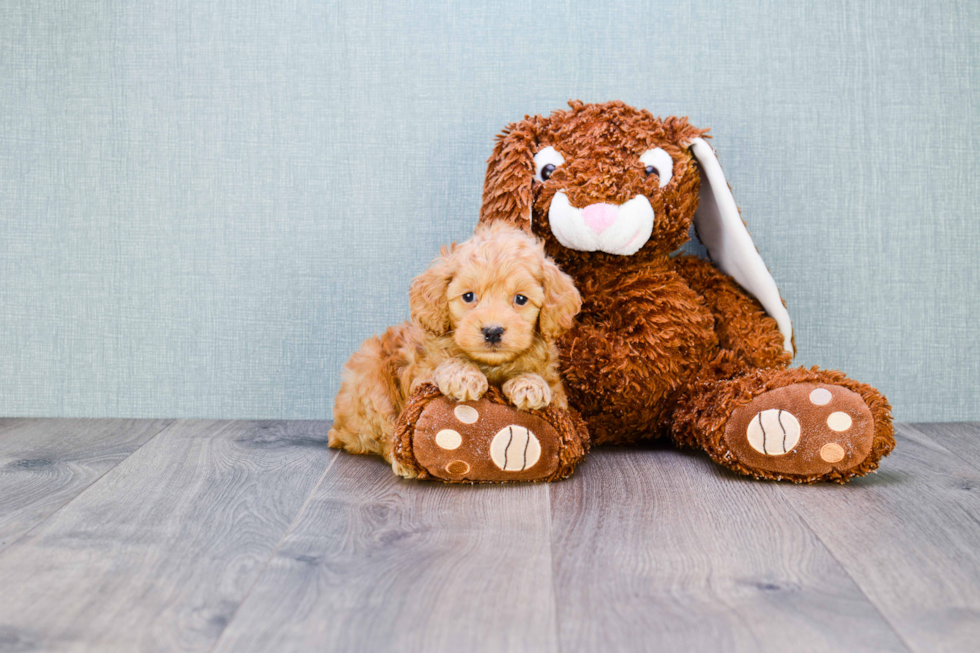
(598,217)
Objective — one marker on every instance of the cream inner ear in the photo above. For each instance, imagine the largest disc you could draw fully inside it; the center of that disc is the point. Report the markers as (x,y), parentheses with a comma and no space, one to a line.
(660,160)
(548,155)
(722,232)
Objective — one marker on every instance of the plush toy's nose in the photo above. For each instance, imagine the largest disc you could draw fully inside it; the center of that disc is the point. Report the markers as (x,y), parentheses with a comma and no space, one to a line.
(598,217)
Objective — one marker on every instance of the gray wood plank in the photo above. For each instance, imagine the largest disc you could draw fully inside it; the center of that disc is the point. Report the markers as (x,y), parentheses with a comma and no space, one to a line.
(158,554)
(910,537)
(661,550)
(11,422)
(376,563)
(45,463)
(961,439)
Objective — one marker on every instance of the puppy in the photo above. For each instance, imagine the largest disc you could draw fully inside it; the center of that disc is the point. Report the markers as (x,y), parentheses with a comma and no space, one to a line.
(486,311)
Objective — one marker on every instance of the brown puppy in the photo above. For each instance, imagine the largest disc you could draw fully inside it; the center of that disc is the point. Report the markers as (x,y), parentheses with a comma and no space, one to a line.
(487,311)
(665,344)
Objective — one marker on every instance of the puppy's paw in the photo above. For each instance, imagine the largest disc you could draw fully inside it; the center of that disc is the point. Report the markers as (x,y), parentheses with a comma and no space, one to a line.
(460,380)
(528,392)
(402,470)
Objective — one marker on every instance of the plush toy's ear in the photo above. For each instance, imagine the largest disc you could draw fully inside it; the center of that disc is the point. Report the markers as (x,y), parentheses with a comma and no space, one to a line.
(427,295)
(722,232)
(507,193)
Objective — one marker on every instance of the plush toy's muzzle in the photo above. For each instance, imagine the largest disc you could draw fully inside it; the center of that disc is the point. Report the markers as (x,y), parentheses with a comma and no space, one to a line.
(602,227)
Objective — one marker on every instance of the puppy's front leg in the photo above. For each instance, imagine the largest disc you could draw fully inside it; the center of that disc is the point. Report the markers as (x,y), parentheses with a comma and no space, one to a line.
(528,391)
(460,380)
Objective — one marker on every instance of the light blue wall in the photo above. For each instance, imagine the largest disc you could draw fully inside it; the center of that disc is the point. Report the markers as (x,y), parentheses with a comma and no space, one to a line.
(205,207)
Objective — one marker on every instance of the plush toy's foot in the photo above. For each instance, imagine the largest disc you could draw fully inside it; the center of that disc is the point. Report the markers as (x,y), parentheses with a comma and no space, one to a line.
(799,425)
(802,430)
(486,441)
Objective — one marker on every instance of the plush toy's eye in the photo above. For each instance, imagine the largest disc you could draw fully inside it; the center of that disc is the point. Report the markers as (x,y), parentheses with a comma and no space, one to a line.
(545,163)
(520,300)
(657,162)
(468,297)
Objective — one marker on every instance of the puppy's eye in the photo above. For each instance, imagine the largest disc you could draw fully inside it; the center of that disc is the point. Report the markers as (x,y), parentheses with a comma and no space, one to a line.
(545,163)
(468,297)
(658,162)
(520,300)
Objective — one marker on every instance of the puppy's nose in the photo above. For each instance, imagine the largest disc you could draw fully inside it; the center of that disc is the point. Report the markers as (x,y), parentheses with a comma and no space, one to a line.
(492,334)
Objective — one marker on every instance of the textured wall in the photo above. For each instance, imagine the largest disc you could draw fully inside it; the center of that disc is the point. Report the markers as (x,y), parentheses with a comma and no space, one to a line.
(205,207)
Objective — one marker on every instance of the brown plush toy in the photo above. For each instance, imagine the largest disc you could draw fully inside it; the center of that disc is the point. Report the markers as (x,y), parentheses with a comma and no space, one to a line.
(665,344)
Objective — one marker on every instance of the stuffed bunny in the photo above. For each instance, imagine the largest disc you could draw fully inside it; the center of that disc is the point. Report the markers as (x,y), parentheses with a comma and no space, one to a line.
(666,344)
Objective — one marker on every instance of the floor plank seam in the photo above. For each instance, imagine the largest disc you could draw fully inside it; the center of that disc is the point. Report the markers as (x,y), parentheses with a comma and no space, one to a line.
(272,556)
(933,442)
(551,567)
(166,426)
(830,552)
(925,441)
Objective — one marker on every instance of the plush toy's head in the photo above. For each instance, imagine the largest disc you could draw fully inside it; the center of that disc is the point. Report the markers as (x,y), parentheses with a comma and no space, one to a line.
(610,184)
(597,179)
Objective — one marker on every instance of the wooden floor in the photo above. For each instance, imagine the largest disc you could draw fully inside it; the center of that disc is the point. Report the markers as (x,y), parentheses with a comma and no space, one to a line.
(121,535)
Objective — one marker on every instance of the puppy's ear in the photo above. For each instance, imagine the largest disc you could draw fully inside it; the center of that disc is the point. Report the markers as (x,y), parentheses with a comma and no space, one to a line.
(507,193)
(562,301)
(427,294)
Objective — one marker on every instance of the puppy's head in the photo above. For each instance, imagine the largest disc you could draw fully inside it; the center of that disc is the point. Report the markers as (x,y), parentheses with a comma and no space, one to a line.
(495,294)
(596,181)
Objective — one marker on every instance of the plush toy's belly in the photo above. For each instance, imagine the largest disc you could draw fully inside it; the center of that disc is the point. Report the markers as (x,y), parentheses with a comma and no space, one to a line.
(639,339)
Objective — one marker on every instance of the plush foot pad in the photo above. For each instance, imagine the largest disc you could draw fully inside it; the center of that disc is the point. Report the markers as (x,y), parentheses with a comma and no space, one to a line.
(802,430)
(480,440)
(489,441)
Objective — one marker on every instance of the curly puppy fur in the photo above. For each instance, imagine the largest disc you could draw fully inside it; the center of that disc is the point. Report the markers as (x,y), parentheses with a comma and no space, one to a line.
(661,338)
(486,312)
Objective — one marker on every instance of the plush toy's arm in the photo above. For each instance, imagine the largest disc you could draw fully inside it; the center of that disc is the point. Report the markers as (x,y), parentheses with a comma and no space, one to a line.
(640,332)
(742,325)
(596,364)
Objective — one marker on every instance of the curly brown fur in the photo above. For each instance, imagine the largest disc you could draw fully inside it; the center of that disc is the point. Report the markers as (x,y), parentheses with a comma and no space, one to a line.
(568,423)
(742,326)
(642,332)
(658,336)
(500,280)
